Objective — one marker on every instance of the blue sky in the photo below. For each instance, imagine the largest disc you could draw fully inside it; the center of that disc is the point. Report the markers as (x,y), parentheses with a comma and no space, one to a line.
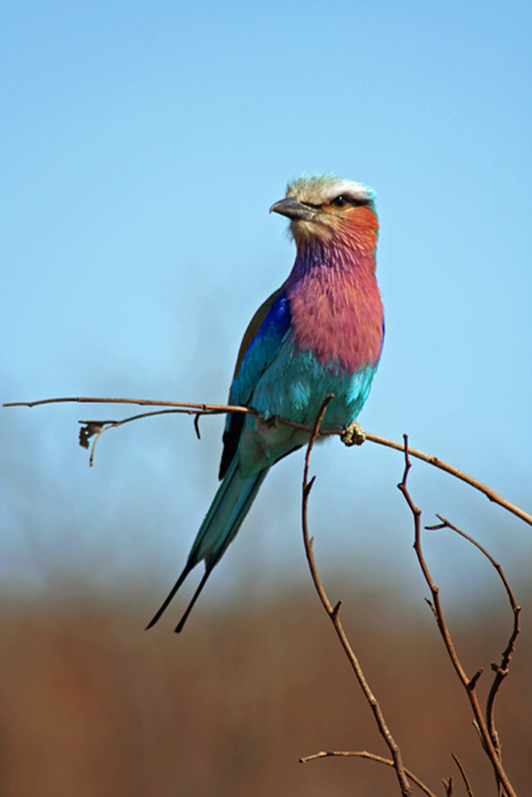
(142,145)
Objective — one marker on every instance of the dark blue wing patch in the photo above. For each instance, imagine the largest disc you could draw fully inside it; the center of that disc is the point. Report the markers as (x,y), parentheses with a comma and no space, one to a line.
(261,350)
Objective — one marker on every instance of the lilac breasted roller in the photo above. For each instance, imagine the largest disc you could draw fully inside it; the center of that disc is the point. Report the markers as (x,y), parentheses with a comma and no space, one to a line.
(321,332)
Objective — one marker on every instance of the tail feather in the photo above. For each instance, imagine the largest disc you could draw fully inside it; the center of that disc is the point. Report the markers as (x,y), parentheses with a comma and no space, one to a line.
(190,606)
(168,600)
(219,528)
(224,518)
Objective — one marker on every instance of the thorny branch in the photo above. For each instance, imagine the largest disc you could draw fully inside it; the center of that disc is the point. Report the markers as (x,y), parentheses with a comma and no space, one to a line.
(492,750)
(501,670)
(94,427)
(485,726)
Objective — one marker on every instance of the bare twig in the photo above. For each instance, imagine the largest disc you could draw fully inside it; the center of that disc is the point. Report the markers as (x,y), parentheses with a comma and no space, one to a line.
(469,684)
(464,776)
(448,786)
(333,613)
(372,757)
(140,402)
(216,409)
(501,670)
(97,428)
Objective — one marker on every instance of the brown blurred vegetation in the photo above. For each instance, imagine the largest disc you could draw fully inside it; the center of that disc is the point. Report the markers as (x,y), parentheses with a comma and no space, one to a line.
(93,705)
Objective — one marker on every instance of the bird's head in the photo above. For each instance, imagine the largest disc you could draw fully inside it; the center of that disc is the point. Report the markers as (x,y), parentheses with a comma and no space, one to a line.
(327,207)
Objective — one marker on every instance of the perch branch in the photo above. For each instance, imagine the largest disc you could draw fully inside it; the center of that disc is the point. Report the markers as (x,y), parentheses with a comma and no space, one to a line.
(217,409)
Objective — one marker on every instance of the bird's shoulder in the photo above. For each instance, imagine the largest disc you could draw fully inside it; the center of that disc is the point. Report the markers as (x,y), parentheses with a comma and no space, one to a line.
(260,345)
(268,325)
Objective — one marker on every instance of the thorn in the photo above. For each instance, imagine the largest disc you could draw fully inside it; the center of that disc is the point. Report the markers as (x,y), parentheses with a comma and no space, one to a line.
(196,425)
(336,609)
(308,487)
(473,682)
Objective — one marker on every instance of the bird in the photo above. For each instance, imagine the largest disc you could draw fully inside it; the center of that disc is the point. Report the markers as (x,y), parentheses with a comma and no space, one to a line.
(320,333)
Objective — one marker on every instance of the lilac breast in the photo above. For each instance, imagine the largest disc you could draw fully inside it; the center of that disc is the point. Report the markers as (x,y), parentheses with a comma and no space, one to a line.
(336,308)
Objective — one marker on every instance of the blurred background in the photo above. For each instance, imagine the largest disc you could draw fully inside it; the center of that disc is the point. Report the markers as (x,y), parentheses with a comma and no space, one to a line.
(142,146)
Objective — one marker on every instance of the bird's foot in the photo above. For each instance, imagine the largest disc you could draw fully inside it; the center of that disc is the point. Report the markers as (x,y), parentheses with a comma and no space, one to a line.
(272,422)
(353,435)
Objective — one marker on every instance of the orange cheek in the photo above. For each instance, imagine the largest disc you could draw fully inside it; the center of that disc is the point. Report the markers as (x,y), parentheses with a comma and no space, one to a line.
(363,217)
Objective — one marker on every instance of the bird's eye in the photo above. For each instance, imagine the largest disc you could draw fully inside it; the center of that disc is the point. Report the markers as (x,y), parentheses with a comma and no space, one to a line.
(339,202)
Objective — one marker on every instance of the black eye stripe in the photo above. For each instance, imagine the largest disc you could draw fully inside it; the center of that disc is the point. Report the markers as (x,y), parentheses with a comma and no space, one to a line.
(340,202)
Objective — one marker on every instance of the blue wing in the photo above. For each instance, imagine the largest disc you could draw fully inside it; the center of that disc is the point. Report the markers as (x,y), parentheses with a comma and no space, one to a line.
(262,340)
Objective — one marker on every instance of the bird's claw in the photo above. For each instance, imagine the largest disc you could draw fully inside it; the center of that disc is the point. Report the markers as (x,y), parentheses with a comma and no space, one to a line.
(353,435)
(272,422)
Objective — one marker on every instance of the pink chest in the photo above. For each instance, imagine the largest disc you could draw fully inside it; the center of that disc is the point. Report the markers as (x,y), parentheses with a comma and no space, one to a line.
(337,313)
